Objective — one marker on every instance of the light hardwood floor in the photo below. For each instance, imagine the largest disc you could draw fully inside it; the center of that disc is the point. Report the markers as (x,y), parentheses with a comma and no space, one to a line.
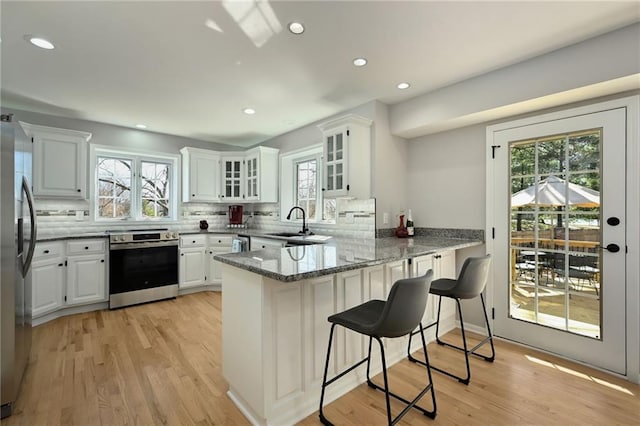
(160,363)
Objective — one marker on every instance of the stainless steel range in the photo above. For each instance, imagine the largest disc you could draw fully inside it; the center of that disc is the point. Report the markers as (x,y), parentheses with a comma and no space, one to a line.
(143,266)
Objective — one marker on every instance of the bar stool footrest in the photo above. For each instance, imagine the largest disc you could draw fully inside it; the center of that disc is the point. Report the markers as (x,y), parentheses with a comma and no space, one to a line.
(410,404)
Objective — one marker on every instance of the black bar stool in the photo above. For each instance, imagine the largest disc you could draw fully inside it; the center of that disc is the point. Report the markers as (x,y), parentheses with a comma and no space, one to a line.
(469,285)
(396,317)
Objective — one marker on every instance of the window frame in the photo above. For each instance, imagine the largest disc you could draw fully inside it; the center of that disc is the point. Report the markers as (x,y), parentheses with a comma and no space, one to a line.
(137,157)
(288,183)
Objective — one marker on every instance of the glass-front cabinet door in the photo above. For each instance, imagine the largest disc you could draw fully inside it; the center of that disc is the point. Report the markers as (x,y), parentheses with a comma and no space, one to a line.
(251,181)
(232,188)
(335,162)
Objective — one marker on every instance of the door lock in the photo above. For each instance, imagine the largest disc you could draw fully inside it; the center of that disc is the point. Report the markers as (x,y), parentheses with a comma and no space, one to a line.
(613,248)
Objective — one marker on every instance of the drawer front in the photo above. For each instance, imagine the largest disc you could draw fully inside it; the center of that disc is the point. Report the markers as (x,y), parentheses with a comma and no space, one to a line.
(86,246)
(220,241)
(193,241)
(50,250)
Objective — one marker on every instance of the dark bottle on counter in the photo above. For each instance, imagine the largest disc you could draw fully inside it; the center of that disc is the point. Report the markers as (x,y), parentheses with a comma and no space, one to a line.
(410,230)
(401,230)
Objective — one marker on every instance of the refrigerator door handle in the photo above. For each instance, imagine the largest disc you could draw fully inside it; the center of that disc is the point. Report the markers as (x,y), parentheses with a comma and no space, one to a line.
(34,229)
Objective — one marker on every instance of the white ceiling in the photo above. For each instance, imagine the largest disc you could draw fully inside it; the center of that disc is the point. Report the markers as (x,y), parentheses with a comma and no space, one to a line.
(157,63)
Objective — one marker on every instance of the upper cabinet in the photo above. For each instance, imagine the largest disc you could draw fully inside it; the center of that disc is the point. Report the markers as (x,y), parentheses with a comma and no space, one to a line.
(199,175)
(229,177)
(232,177)
(59,161)
(347,157)
(261,174)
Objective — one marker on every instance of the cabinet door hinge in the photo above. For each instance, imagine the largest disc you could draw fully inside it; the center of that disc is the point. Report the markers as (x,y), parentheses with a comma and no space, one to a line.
(493,313)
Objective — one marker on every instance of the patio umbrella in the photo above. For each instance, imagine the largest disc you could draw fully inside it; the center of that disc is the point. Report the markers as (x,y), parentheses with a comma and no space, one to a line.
(553,192)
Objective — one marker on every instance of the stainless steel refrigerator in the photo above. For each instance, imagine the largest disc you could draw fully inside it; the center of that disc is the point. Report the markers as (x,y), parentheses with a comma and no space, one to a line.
(17,242)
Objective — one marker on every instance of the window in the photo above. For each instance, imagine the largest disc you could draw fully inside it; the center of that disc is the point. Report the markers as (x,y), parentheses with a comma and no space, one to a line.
(306,185)
(134,186)
(301,183)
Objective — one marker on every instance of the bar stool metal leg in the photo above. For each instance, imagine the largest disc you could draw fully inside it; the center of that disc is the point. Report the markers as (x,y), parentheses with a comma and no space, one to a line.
(464,348)
(396,317)
(409,404)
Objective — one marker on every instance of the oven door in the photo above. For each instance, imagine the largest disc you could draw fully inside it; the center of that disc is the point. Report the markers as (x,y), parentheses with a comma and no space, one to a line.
(141,266)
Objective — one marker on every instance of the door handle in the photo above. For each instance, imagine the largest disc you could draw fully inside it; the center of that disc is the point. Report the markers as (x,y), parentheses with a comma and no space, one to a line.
(613,248)
(34,229)
(613,221)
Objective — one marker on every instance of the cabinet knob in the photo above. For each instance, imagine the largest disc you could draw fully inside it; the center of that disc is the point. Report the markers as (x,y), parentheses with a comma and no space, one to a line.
(194,241)
(219,241)
(193,195)
(86,247)
(102,261)
(46,252)
(78,190)
(181,254)
(60,264)
(210,252)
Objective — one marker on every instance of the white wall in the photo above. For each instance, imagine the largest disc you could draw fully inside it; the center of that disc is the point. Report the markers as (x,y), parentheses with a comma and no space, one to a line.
(446,179)
(599,66)
(107,134)
(389,177)
(311,134)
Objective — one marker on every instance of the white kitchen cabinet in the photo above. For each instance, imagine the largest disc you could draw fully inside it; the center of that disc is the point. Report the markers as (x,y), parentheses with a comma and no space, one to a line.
(232,183)
(86,279)
(59,161)
(216,244)
(261,174)
(200,175)
(444,266)
(347,157)
(68,273)
(192,265)
(48,280)
(86,271)
(258,243)
(228,177)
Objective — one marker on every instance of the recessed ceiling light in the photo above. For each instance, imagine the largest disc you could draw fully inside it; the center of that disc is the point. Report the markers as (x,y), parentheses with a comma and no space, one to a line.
(249,111)
(296,28)
(359,62)
(403,86)
(40,42)
(141,126)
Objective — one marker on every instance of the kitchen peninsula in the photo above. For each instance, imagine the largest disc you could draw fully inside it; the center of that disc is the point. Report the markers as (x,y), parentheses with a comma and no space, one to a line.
(274,316)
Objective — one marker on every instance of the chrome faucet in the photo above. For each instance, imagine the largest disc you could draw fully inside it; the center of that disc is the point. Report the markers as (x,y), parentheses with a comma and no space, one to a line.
(305,230)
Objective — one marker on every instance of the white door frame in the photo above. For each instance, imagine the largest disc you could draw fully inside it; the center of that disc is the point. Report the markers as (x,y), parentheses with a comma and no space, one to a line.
(632,105)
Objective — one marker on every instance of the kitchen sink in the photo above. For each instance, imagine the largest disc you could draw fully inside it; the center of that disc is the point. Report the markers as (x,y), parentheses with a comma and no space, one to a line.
(286,234)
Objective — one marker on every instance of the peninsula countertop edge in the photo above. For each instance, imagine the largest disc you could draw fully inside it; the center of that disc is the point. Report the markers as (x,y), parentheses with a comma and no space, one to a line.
(337,255)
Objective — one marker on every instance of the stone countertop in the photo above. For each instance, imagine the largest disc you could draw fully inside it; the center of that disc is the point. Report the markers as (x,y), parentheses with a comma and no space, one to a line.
(83,236)
(337,255)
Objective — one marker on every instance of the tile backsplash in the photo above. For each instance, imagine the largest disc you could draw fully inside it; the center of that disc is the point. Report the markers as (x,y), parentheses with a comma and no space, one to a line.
(355,218)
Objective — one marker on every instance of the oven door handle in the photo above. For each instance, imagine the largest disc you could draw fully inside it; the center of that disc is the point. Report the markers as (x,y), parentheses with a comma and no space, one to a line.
(141,245)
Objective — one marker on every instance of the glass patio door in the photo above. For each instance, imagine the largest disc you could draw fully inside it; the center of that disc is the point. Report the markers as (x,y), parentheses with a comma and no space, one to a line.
(560,244)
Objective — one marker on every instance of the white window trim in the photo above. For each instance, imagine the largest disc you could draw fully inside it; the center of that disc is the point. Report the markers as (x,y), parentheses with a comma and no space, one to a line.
(138,155)
(288,182)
